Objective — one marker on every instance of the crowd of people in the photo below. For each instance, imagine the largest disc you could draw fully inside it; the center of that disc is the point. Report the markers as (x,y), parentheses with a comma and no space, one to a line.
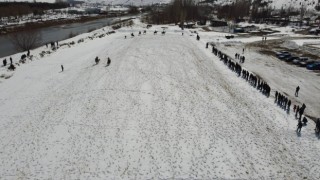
(281,100)
(12,67)
(241,58)
(234,66)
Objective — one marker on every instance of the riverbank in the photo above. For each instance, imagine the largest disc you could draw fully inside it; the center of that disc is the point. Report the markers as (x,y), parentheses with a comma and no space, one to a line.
(49,23)
(60,32)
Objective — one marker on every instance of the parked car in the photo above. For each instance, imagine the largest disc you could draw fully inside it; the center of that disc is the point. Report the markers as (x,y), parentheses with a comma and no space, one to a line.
(310,61)
(281,53)
(299,60)
(284,56)
(305,63)
(291,58)
(314,66)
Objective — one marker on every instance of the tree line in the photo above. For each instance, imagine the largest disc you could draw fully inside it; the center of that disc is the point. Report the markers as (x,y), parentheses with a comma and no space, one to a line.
(23,8)
(178,11)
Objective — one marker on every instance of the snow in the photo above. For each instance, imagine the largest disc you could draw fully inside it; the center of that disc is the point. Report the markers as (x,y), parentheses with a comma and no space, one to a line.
(285,4)
(278,4)
(125,2)
(301,42)
(166,108)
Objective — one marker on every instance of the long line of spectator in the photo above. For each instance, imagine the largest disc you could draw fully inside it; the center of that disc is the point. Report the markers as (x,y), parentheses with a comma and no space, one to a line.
(281,100)
(251,78)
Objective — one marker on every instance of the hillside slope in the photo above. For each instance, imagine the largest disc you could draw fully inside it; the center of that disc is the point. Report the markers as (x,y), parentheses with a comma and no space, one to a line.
(165,108)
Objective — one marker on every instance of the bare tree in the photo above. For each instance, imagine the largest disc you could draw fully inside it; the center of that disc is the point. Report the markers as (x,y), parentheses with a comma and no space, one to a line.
(26,40)
(303,10)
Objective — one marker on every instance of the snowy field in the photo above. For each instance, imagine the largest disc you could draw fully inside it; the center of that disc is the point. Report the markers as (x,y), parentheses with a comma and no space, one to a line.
(166,108)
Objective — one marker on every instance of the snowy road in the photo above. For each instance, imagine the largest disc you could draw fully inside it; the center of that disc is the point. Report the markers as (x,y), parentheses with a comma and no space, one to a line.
(165,108)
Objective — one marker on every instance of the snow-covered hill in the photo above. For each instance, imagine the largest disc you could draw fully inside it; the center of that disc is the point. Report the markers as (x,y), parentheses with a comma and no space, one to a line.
(310,4)
(130,2)
(114,2)
(166,108)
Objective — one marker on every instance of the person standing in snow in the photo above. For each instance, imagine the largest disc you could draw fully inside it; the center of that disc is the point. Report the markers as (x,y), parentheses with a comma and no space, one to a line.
(243,58)
(207,45)
(289,104)
(285,103)
(299,126)
(62,68)
(317,126)
(301,111)
(11,67)
(198,37)
(10,60)
(109,61)
(4,62)
(243,51)
(304,120)
(297,111)
(297,91)
(28,53)
(97,60)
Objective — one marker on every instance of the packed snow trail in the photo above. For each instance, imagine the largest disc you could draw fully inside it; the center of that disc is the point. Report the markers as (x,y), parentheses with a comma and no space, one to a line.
(164,108)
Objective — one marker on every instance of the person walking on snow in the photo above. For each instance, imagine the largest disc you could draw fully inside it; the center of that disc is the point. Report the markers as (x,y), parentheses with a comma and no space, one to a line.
(299,126)
(297,91)
(62,68)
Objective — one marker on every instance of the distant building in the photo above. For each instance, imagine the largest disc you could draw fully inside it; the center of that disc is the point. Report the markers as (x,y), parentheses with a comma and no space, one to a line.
(116,10)
(188,25)
(77,4)
(92,10)
(218,23)
(238,30)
